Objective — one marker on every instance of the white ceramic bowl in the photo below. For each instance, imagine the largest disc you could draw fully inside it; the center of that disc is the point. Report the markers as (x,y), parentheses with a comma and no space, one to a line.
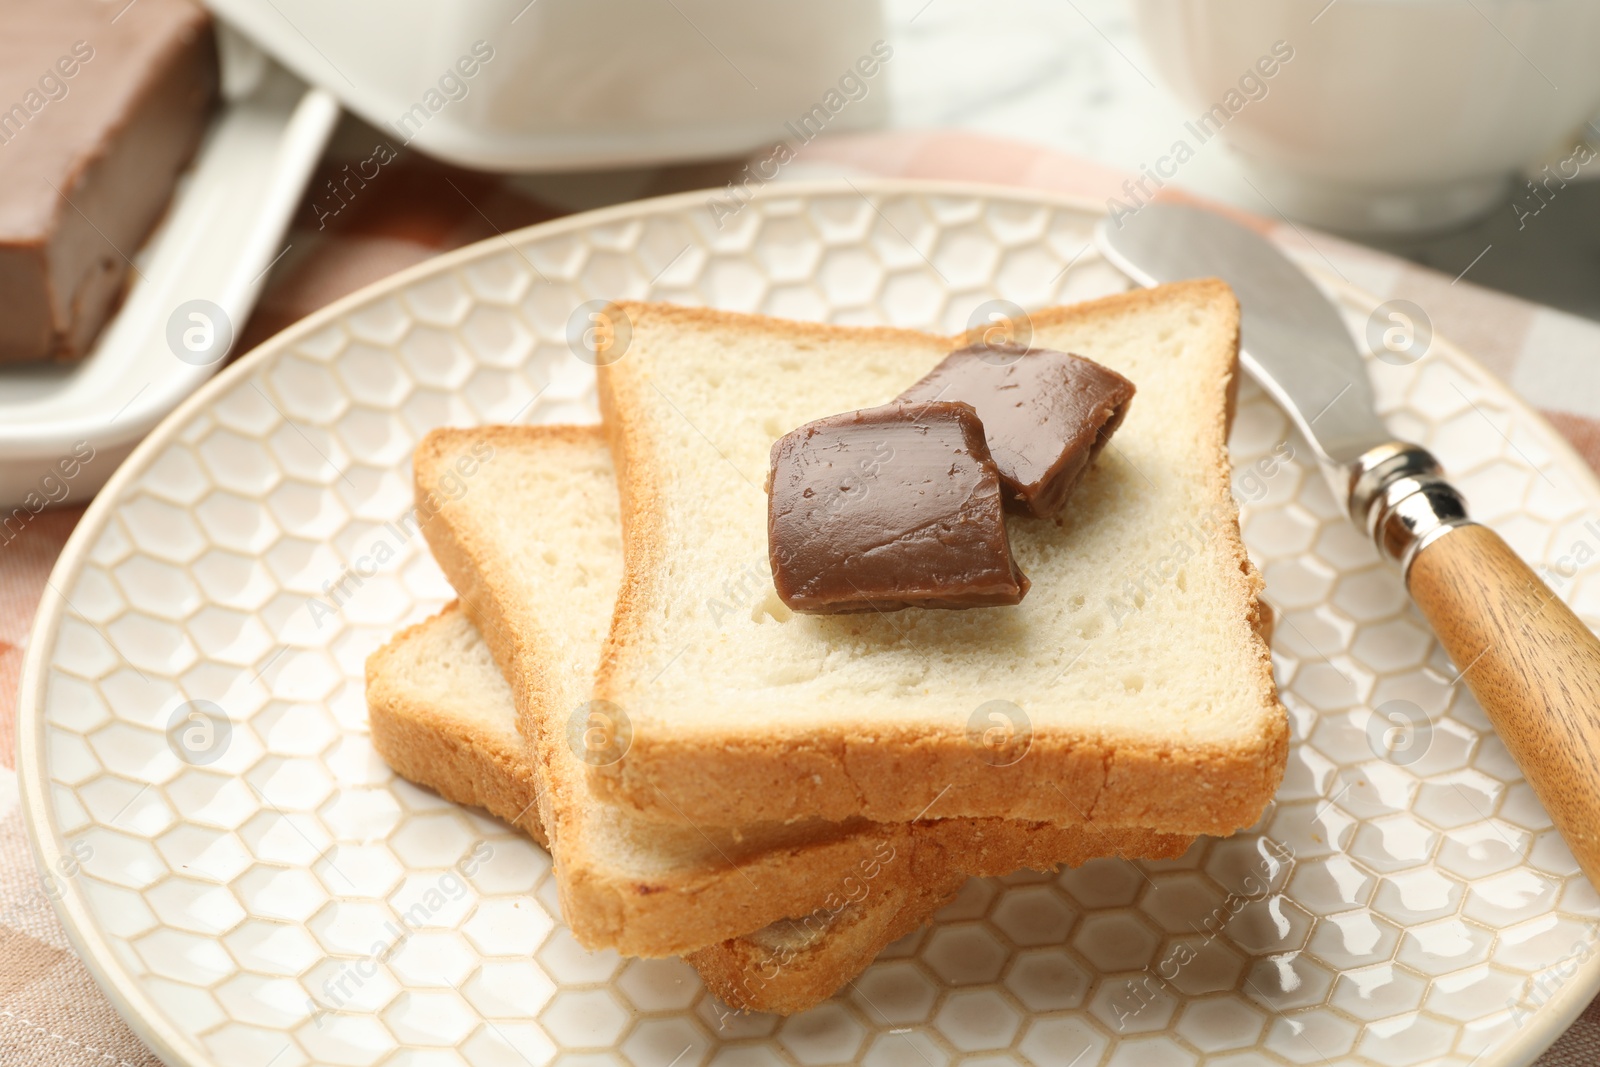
(562,84)
(1392,115)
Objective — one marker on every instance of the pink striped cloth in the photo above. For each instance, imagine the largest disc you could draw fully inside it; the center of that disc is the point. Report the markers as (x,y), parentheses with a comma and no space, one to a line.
(51,1013)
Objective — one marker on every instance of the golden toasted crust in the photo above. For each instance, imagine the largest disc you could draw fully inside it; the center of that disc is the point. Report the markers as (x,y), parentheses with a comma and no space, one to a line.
(797,964)
(778,969)
(887,771)
(887,891)
(447,755)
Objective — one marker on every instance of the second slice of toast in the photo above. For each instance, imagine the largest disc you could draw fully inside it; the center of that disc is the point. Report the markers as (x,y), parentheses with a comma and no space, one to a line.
(524,522)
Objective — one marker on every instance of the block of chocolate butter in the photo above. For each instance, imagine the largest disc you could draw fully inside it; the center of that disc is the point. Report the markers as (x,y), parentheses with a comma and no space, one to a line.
(1046,415)
(101,107)
(891,507)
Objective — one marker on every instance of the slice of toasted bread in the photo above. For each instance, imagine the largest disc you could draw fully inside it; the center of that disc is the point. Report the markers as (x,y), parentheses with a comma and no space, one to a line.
(1131,680)
(441,714)
(524,522)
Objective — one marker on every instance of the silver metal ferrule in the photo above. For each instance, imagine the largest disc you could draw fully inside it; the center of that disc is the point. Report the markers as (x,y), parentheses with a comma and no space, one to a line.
(1399,495)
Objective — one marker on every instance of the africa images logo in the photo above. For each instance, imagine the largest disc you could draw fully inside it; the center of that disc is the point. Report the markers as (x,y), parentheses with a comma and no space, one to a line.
(1000,732)
(599,732)
(199,732)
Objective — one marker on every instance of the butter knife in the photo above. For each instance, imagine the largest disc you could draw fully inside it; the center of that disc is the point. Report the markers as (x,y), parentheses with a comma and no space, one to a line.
(1532,664)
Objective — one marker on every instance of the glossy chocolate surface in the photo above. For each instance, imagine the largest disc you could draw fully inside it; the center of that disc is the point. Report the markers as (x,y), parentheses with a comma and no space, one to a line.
(1046,415)
(888,508)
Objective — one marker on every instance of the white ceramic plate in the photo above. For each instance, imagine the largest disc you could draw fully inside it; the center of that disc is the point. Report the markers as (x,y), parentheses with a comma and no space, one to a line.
(209,255)
(1403,901)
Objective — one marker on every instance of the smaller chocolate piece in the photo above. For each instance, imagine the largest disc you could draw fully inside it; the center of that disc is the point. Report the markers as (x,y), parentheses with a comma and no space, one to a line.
(1046,415)
(889,508)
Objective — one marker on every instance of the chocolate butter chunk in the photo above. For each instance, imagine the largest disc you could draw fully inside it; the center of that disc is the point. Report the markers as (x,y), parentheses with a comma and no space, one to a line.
(1046,415)
(888,508)
(101,107)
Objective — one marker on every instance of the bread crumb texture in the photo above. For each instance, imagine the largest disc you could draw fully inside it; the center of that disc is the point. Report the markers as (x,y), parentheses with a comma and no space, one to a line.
(1131,676)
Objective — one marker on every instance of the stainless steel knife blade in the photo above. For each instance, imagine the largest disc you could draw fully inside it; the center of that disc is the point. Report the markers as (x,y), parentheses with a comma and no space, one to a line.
(1292,339)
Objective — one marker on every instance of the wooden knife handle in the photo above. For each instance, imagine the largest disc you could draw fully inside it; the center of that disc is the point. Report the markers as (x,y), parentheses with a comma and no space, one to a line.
(1533,665)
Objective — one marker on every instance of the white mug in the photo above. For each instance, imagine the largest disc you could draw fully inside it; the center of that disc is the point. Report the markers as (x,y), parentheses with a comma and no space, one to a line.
(1388,115)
